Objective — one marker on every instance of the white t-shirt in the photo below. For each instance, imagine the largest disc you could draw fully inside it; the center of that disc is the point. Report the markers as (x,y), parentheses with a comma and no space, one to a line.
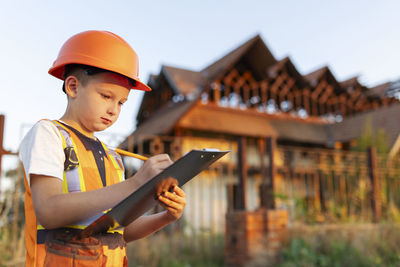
(41,151)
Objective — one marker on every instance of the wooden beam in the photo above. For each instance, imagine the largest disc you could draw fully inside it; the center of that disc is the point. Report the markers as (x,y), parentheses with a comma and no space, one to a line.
(264,88)
(315,94)
(240,191)
(217,93)
(306,95)
(297,103)
(246,94)
(227,90)
(267,186)
(229,77)
(255,91)
(274,88)
(327,93)
(286,89)
(342,100)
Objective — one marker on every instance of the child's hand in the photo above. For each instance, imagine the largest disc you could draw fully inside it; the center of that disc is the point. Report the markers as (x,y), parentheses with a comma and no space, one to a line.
(152,167)
(173,202)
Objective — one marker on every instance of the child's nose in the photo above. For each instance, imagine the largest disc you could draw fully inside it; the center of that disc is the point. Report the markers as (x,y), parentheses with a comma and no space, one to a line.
(113,108)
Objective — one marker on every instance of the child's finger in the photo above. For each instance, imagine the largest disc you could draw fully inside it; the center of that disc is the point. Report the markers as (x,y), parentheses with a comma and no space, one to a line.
(174,212)
(175,198)
(179,191)
(171,203)
(170,209)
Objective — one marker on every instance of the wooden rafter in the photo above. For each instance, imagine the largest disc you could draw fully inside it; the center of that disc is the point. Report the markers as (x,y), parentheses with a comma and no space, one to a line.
(325,97)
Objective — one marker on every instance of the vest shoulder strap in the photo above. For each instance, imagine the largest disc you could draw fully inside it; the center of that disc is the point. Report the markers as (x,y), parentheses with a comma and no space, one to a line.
(73,178)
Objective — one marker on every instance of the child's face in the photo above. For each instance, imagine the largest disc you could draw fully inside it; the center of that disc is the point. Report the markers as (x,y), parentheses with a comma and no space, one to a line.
(97,104)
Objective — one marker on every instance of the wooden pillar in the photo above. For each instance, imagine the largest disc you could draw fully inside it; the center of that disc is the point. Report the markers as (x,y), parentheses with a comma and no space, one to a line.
(2,150)
(321,184)
(264,95)
(246,94)
(217,93)
(305,94)
(240,189)
(317,200)
(375,199)
(267,186)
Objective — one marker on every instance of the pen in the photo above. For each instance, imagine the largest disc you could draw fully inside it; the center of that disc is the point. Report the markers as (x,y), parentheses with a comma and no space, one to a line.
(129,154)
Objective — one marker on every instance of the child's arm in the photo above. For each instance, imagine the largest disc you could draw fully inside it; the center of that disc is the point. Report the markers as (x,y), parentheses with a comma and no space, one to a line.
(174,203)
(55,209)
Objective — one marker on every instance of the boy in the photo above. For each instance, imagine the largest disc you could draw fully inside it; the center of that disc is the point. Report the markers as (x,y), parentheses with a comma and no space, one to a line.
(71,178)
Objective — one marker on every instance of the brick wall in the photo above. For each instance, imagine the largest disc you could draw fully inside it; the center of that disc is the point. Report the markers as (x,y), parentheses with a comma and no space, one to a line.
(254,238)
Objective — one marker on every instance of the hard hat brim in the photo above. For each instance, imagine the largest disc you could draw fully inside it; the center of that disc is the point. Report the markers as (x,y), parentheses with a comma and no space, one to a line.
(58,72)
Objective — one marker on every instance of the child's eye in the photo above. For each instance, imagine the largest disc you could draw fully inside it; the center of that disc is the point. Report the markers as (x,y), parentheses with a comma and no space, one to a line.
(121,103)
(105,96)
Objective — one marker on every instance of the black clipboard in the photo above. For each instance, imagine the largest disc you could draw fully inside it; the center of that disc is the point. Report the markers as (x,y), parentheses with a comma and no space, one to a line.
(143,199)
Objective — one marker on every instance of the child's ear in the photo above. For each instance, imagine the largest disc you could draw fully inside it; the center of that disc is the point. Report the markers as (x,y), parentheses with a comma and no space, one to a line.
(71,86)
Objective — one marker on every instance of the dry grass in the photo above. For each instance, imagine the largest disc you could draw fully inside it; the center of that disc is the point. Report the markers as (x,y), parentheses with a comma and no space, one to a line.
(343,245)
(176,250)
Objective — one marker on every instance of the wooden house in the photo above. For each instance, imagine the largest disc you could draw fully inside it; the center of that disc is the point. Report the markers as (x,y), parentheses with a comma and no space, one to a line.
(253,104)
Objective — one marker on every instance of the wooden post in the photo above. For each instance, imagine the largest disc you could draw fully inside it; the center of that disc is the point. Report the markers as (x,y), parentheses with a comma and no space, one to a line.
(264,95)
(240,189)
(263,171)
(305,94)
(375,199)
(317,199)
(321,190)
(267,186)
(2,150)
(216,92)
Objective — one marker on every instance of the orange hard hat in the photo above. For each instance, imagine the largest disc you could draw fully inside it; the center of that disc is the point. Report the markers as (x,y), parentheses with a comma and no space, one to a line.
(100,49)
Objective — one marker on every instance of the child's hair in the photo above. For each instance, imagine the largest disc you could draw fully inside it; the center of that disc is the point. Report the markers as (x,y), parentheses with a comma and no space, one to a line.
(82,73)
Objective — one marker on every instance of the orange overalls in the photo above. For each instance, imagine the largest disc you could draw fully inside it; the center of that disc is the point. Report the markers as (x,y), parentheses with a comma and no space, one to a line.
(81,173)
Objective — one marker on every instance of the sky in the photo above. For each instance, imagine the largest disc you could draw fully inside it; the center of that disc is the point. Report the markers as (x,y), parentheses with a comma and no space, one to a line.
(353,38)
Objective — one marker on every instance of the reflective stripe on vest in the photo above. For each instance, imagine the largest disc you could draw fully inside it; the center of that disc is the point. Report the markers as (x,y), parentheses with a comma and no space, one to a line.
(74,179)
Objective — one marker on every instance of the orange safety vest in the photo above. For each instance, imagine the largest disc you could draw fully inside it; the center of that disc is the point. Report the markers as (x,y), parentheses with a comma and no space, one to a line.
(80,174)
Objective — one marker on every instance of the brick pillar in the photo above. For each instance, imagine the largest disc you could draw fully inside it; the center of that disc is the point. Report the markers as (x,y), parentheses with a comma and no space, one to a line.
(254,237)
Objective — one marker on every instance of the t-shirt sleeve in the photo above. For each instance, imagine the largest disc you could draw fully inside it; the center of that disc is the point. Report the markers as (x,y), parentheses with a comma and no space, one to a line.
(41,151)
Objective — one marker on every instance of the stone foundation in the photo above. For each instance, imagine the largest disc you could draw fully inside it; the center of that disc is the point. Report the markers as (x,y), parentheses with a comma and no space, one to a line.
(254,238)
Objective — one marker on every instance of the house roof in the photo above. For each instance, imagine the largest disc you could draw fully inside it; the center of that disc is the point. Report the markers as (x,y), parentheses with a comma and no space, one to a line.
(302,131)
(379,90)
(182,80)
(160,122)
(350,83)
(256,51)
(314,77)
(197,116)
(288,64)
(253,123)
(385,118)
